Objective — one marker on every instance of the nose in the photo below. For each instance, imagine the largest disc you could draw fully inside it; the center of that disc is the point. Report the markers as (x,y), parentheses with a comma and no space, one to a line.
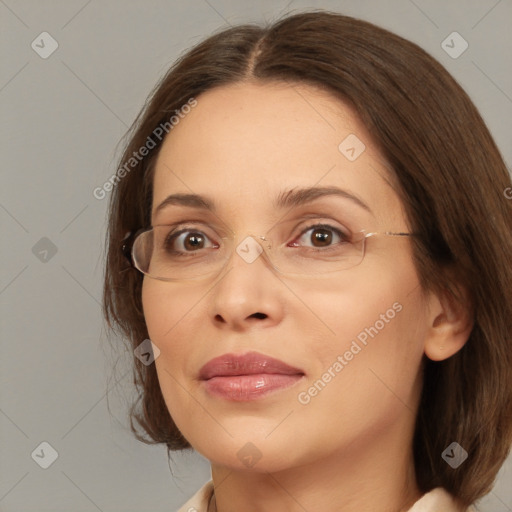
(248,294)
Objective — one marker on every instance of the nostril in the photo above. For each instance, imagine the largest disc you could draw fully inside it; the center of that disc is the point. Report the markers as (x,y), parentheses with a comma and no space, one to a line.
(261,316)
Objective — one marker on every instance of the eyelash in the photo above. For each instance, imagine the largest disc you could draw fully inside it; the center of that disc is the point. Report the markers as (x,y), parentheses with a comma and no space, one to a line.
(344,237)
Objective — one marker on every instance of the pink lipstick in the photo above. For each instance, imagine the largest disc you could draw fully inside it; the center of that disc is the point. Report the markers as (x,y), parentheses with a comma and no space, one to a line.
(247,376)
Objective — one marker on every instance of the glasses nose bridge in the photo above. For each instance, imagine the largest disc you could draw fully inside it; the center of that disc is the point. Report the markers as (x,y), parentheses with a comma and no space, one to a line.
(250,247)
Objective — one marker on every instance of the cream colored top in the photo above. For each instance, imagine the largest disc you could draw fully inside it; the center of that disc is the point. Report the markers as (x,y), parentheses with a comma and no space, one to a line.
(437,500)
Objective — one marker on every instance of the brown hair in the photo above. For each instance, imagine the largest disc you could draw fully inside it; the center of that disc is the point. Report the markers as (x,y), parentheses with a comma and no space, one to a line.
(450,177)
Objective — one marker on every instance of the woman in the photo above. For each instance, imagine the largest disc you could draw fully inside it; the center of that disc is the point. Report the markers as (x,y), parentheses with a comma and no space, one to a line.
(309,224)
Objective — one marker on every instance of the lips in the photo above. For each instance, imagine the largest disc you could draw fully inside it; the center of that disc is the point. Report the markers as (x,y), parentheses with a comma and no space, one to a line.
(247,377)
(250,363)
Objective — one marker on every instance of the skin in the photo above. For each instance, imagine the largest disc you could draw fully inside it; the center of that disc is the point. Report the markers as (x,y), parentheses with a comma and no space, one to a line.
(349,448)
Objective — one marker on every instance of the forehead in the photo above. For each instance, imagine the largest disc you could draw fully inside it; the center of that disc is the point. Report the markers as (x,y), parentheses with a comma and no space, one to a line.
(244,144)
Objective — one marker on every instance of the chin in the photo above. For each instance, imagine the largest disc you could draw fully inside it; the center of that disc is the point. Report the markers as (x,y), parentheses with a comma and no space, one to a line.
(248,452)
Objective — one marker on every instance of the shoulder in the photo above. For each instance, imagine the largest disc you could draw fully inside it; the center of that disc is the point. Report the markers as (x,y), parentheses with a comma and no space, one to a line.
(199,502)
(436,500)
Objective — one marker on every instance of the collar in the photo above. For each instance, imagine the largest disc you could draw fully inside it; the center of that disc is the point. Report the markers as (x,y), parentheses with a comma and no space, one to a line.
(432,501)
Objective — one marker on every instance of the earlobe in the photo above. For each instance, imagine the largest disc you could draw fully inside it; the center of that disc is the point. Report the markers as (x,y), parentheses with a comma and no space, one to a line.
(450,324)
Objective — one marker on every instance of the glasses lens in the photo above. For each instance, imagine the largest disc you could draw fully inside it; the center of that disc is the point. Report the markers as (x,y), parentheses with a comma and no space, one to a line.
(164,253)
(316,260)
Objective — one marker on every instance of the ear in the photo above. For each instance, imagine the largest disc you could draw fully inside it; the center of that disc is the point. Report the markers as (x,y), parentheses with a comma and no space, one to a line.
(450,324)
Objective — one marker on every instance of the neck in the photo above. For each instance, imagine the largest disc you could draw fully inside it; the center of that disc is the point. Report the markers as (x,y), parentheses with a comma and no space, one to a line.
(375,475)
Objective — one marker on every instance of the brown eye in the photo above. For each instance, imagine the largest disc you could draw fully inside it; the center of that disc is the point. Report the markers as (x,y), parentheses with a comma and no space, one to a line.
(187,241)
(321,236)
(193,241)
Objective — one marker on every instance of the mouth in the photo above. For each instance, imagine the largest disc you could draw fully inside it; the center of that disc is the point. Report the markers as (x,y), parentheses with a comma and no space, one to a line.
(248,376)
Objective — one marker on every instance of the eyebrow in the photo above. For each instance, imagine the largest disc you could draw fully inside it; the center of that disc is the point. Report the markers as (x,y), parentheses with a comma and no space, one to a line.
(286,199)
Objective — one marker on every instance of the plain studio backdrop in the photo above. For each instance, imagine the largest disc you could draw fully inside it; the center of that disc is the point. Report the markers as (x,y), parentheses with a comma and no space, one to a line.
(73,76)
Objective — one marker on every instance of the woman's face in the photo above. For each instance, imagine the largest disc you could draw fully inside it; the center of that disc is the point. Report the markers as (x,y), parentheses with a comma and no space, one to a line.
(354,336)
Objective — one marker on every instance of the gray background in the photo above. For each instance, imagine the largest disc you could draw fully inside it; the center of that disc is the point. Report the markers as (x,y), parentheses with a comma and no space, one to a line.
(61,120)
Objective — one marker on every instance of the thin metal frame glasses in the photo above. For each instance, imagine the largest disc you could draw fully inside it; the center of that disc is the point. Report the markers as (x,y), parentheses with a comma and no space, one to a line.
(169,265)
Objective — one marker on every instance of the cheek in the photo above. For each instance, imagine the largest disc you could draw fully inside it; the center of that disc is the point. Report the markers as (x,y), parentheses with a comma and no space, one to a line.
(167,307)
(381,332)
(170,312)
(384,353)
(374,347)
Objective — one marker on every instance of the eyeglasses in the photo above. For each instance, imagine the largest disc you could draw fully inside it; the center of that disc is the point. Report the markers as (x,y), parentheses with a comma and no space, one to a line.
(156,254)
